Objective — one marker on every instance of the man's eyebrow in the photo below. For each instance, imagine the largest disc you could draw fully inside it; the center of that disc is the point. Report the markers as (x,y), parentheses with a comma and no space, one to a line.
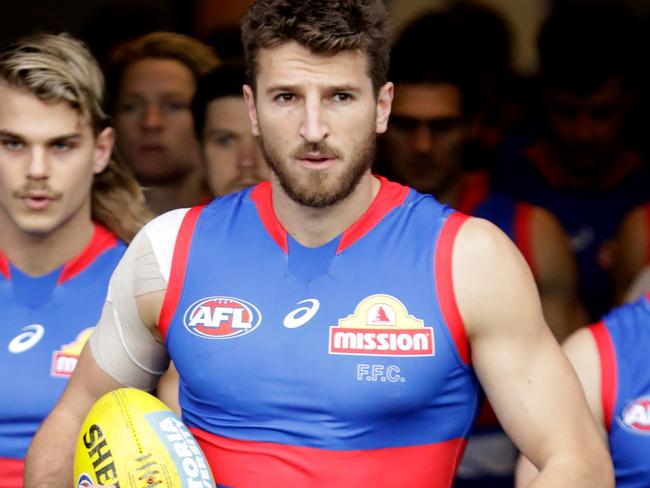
(6,134)
(343,88)
(65,137)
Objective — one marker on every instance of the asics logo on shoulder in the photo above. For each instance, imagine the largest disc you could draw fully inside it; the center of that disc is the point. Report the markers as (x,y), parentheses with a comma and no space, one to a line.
(27,339)
(301,315)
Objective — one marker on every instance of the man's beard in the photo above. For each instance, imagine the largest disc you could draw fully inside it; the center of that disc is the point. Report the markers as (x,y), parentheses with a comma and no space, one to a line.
(318,189)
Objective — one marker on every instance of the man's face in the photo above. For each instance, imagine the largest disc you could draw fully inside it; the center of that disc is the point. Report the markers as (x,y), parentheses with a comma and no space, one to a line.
(586,130)
(232,155)
(48,157)
(317,117)
(425,136)
(154,122)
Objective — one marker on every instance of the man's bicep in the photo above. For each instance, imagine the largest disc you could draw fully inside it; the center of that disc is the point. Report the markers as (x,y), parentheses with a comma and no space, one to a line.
(528,380)
(124,343)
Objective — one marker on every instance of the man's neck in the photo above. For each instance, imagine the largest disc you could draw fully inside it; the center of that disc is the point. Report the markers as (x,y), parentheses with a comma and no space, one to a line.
(186,192)
(313,227)
(40,254)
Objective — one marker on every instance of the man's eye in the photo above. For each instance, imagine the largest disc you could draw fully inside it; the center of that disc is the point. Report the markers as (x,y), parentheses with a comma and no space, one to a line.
(62,146)
(12,145)
(175,106)
(285,97)
(342,97)
(225,140)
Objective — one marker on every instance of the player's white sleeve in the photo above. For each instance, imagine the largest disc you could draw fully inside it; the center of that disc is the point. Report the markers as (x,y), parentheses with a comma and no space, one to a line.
(121,344)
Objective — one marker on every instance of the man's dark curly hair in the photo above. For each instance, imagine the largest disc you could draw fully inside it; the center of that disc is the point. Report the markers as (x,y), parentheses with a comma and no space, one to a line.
(325,27)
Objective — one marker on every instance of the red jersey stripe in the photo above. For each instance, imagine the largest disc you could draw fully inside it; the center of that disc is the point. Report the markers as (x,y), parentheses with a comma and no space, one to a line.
(101,240)
(608,371)
(262,196)
(11,473)
(177,272)
(390,195)
(445,283)
(251,464)
(523,233)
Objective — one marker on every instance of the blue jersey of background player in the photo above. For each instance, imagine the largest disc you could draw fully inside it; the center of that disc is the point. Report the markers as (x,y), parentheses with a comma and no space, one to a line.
(66,211)
(611,359)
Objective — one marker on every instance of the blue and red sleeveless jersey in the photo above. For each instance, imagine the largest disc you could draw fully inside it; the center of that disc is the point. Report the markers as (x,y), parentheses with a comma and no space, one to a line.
(344,365)
(623,340)
(46,320)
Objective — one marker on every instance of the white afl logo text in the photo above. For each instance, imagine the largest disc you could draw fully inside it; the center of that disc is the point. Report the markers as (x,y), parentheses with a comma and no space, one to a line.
(221,318)
(301,315)
(27,339)
(636,416)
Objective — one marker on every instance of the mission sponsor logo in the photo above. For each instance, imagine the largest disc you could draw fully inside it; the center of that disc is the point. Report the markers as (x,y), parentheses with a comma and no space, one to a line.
(381,326)
(636,416)
(65,359)
(221,318)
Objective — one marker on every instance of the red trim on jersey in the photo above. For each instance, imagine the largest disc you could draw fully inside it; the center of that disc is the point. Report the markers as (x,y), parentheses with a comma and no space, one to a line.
(177,271)
(11,472)
(102,240)
(262,196)
(647,232)
(389,196)
(5,269)
(250,463)
(474,189)
(608,371)
(445,283)
(523,231)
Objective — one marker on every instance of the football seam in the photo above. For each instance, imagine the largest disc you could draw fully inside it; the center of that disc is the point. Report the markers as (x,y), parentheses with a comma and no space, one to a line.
(129,419)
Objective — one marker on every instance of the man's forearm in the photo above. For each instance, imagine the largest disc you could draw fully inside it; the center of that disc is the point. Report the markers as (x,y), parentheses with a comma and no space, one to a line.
(49,462)
(594,471)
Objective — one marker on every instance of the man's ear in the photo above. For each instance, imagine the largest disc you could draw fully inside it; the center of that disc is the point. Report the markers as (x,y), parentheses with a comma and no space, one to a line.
(249,96)
(384,104)
(103,149)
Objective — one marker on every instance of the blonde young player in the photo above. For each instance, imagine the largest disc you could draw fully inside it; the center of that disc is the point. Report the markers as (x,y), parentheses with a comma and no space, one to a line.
(67,210)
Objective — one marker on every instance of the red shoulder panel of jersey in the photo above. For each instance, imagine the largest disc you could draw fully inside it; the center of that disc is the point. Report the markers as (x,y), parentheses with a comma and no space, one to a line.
(523,231)
(11,473)
(177,271)
(5,270)
(474,189)
(445,283)
(262,196)
(250,463)
(101,240)
(390,195)
(608,371)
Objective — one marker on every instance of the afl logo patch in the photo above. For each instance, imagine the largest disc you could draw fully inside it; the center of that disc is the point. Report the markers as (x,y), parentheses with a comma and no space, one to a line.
(221,318)
(636,416)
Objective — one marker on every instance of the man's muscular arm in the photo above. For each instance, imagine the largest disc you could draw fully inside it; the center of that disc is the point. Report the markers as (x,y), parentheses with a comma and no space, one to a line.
(529,382)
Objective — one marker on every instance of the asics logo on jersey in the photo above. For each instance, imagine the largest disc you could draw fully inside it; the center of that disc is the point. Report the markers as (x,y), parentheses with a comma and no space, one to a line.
(221,318)
(301,315)
(24,341)
(636,416)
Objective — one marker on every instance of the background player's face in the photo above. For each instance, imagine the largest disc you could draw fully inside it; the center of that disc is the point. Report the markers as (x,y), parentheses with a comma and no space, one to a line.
(587,129)
(48,157)
(317,117)
(153,121)
(425,136)
(232,155)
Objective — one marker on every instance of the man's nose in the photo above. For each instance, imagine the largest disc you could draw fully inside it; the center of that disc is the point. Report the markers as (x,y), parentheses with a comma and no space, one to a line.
(314,128)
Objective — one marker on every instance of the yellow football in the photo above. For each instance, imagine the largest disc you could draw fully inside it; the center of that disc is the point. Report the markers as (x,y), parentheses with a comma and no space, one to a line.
(133,440)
